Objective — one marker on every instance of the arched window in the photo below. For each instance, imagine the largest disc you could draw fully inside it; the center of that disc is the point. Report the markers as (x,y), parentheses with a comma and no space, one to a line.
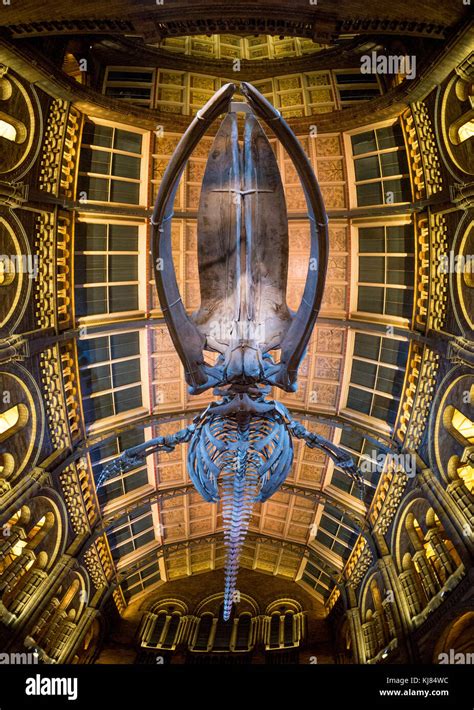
(13,420)
(459,425)
(275,631)
(204,629)
(242,641)
(170,636)
(461,428)
(288,629)
(223,631)
(158,627)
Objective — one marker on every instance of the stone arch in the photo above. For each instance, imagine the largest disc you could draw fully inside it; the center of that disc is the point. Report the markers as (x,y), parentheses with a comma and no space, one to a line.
(457,637)
(28,553)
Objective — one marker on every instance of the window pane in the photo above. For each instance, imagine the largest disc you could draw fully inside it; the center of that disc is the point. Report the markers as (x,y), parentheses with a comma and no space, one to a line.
(397,190)
(94,134)
(129,92)
(369,194)
(91,301)
(324,539)
(394,352)
(363,373)
(98,378)
(400,239)
(130,398)
(390,136)
(122,75)
(123,268)
(95,161)
(385,409)
(370,299)
(359,400)
(367,168)
(352,440)
(126,166)
(400,270)
(367,346)
(328,524)
(363,143)
(143,524)
(91,237)
(93,350)
(135,480)
(388,381)
(95,188)
(399,302)
(131,438)
(372,269)
(98,408)
(125,345)
(394,163)
(122,550)
(110,491)
(126,372)
(371,239)
(123,238)
(128,141)
(90,268)
(123,298)
(341,481)
(126,192)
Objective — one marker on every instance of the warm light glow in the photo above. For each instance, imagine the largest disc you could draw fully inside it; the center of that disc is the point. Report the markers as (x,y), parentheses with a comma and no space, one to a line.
(8,131)
(9,419)
(463,425)
(18,547)
(466,131)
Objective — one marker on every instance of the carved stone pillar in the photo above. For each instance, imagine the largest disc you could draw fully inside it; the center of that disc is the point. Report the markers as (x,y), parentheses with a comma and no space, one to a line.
(21,492)
(452,517)
(39,600)
(7,542)
(64,632)
(414,594)
(386,564)
(35,578)
(76,637)
(429,581)
(16,570)
(370,638)
(441,551)
(357,636)
(464,500)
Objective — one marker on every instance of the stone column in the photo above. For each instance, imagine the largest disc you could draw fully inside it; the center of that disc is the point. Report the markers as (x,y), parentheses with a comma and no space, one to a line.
(7,542)
(452,517)
(24,489)
(357,636)
(39,600)
(33,582)
(464,500)
(370,638)
(430,583)
(413,593)
(77,635)
(441,551)
(16,570)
